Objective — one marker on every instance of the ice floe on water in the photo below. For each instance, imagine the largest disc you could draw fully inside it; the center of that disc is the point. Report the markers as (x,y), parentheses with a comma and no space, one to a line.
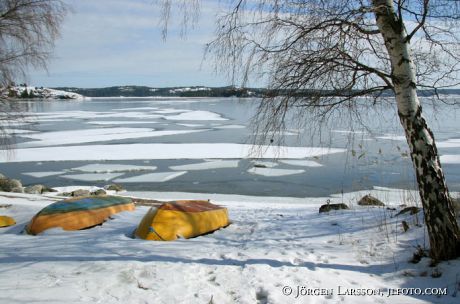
(151,177)
(137,109)
(135,115)
(392,137)
(120,122)
(96,135)
(171,111)
(167,113)
(108,168)
(161,151)
(18,131)
(67,115)
(349,131)
(264,164)
(450,143)
(43,174)
(93,177)
(196,115)
(450,159)
(45,121)
(230,127)
(278,133)
(300,163)
(207,165)
(190,125)
(273,171)
(92,115)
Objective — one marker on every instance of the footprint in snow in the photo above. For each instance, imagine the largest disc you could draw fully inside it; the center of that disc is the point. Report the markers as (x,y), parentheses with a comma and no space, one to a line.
(213,280)
(262,296)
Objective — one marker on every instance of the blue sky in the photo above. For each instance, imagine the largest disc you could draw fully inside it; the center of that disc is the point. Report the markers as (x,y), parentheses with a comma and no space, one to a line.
(118,42)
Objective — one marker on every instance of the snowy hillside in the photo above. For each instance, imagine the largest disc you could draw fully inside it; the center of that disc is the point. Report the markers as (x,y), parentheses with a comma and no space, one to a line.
(29,92)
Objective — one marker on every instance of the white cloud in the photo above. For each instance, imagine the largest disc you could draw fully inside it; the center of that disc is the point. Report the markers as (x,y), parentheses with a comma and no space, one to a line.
(111,42)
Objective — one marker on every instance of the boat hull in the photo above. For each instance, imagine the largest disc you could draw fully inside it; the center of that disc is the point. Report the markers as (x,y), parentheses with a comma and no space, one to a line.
(6,221)
(181,219)
(79,213)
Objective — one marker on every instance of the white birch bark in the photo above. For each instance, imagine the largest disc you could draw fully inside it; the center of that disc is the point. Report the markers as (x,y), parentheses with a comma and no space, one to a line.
(440,219)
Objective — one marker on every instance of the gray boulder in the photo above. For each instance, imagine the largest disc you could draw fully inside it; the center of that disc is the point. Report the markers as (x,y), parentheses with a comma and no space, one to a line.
(99,192)
(38,189)
(411,210)
(35,189)
(328,207)
(48,189)
(7,185)
(17,190)
(80,192)
(369,200)
(114,187)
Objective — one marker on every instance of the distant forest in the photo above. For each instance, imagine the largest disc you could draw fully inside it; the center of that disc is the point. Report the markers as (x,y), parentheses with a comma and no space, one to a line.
(199,91)
(143,91)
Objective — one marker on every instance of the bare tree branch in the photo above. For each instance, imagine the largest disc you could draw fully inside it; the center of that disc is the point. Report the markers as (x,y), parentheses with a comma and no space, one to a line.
(28,29)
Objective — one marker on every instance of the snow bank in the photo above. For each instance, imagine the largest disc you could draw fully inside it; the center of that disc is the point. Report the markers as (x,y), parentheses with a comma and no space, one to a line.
(274,248)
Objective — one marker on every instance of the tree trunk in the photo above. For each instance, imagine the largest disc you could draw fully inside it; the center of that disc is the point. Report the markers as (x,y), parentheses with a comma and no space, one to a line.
(443,230)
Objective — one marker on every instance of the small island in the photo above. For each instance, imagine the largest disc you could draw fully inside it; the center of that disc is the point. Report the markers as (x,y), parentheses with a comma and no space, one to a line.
(23,91)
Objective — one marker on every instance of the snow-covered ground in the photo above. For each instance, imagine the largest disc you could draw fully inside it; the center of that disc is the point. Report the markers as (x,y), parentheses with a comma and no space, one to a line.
(277,250)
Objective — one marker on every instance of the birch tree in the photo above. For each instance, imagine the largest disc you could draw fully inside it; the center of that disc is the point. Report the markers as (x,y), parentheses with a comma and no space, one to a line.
(319,56)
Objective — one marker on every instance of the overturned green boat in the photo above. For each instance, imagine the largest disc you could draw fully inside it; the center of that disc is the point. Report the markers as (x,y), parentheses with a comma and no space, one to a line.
(78,213)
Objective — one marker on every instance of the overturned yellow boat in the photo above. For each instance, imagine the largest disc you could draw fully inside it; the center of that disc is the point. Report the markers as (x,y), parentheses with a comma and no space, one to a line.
(78,213)
(181,219)
(6,221)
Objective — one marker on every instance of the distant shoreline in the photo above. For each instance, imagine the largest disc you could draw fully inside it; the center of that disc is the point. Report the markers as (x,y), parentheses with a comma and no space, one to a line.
(203,92)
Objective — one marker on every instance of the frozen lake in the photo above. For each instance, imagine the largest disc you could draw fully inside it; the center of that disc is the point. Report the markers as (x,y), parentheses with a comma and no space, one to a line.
(203,145)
